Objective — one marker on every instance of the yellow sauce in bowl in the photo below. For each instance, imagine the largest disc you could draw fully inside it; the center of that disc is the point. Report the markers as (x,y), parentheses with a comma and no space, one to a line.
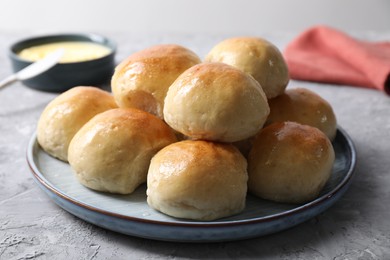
(74,51)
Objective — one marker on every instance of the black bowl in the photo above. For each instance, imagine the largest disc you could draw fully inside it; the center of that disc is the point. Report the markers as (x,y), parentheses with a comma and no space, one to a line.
(64,76)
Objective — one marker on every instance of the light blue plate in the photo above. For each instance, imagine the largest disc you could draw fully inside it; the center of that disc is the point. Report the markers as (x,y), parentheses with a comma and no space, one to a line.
(131,215)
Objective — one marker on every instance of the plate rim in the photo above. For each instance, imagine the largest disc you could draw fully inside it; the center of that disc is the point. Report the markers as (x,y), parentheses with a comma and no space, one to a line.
(214,224)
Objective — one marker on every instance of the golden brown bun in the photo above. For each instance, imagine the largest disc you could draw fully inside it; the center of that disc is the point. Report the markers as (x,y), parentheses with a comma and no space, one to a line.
(142,80)
(66,114)
(198,180)
(289,162)
(255,56)
(112,151)
(217,102)
(305,107)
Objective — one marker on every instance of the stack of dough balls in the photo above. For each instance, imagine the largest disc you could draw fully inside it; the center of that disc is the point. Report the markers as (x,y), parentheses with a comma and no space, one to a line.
(305,107)
(257,57)
(108,148)
(66,114)
(116,142)
(291,158)
(199,178)
(142,80)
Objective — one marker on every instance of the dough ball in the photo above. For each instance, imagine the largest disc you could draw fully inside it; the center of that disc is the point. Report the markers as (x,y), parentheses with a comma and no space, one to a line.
(305,107)
(198,180)
(289,163)
(112,152)
(142,80)
(216,102)
(66,114)
(256,56)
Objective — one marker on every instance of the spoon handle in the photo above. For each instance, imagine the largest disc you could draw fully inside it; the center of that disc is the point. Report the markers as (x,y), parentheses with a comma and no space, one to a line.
(7,81)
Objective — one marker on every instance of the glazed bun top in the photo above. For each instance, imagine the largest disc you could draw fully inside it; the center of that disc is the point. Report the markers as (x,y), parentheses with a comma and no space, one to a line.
(256,56)
(142,80)
(216,102)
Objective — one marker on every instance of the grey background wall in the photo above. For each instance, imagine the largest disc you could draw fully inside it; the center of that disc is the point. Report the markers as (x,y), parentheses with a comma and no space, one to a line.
(195,16)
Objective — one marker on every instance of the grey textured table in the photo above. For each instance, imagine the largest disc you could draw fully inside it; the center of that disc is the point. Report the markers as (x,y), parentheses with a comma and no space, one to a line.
(356,227)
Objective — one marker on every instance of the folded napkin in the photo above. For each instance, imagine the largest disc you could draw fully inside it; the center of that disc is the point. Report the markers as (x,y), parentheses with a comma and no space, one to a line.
(324,54)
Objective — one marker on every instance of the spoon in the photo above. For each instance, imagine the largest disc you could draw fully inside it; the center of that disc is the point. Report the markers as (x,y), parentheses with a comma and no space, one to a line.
(34,69)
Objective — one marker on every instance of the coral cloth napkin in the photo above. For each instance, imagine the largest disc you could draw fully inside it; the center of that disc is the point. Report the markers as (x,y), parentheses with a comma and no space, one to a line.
(324,54)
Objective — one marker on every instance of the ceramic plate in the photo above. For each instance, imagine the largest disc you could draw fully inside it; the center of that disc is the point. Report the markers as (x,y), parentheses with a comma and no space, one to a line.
(131,215)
